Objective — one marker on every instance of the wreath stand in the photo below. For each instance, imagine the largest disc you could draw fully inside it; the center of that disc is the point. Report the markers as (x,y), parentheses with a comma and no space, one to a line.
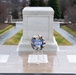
(37,58)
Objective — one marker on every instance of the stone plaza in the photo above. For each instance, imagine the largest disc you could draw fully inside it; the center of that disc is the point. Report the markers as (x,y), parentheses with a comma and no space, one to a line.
(57,59)
(63,62)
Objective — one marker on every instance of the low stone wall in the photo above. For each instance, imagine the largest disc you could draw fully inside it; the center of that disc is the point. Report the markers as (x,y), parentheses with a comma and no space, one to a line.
(14,24)
(62,24)
(59,20)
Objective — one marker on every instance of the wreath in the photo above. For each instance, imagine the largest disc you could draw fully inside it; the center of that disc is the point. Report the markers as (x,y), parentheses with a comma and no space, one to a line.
(38,42)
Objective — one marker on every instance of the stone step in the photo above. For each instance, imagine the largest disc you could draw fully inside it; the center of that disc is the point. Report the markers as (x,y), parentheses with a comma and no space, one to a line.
(27,47)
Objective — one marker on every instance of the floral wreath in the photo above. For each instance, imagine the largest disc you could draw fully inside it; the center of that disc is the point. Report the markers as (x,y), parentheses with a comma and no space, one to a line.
(38,42)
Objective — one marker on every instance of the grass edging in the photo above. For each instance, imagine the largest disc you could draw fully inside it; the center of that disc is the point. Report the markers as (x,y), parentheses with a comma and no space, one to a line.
(61,40)
(69,30)
(6,29)
(16,38)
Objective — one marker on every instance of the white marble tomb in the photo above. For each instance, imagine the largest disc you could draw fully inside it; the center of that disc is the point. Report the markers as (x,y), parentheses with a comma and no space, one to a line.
(37,21)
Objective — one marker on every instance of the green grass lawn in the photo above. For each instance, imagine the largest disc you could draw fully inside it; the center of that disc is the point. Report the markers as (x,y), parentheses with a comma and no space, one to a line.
(6,29)
(60,40)
(69,30)
(15,39)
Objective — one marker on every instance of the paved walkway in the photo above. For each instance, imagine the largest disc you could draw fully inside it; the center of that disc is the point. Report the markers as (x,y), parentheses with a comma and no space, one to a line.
(65,34)
(9,34)
(18,62)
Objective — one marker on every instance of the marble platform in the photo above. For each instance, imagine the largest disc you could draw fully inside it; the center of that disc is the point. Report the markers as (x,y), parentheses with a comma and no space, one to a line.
(18,62)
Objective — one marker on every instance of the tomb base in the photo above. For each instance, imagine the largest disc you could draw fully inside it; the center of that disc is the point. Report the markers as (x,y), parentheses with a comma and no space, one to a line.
(25,45)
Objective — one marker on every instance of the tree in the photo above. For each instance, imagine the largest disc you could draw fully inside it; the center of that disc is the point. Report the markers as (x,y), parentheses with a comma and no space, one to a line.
(37,3)
(63,5)
(15,14)
(74,2)
(71,14)
(15,1)
(68,8)
(22,7)
(55,5)
(33,3)
(3,12)
(41,3)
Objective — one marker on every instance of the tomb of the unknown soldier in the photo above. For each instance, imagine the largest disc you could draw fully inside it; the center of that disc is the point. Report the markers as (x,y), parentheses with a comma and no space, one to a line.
(37,21)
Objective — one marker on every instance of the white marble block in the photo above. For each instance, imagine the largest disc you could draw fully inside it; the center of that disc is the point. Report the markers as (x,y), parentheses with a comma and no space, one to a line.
(38,21)
(32,58)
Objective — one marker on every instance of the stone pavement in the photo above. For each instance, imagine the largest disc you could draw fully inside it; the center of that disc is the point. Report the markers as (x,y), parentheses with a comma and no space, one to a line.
(65,34)
(17,61)
(9,34)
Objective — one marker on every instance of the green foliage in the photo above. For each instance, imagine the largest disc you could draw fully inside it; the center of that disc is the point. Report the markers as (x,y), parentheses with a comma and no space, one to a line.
(41,3)
(74,1)
(33,3)
(36,3)
(55,5)
(15,14)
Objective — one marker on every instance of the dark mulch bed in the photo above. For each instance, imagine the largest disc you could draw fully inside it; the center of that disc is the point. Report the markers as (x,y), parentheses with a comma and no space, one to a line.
(2,26)
(71,26)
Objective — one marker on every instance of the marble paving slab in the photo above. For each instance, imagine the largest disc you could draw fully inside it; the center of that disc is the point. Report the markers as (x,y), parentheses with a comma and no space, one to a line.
(71,58)
(4,58)
(37,58)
